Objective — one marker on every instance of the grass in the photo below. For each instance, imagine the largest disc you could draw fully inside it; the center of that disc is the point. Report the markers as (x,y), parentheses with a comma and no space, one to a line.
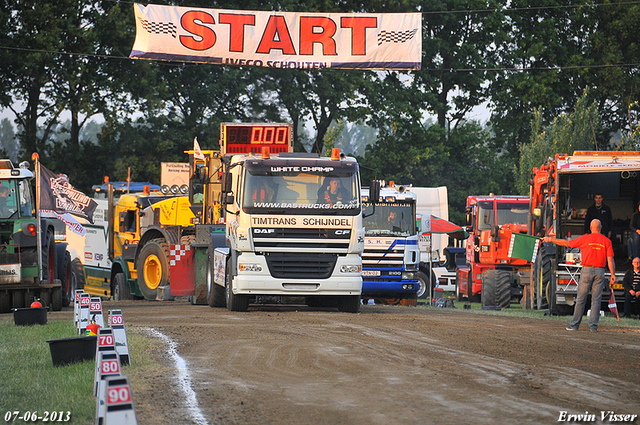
(30,382)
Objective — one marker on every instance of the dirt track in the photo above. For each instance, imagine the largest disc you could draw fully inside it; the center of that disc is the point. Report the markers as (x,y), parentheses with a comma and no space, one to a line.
(387,365)
(402,365)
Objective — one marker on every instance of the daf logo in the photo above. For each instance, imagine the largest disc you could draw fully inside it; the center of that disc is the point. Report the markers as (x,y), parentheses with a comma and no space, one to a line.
(264,231)
(343,232)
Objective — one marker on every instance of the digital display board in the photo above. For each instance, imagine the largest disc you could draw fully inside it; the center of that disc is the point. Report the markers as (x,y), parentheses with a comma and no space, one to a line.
(239,138)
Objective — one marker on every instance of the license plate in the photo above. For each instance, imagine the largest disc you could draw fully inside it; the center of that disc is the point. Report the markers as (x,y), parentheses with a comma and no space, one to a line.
(617,286)
(370,273)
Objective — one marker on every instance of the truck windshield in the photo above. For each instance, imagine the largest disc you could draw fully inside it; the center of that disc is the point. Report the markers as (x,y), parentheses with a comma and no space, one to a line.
(292,191)
(390,220)
(507,213)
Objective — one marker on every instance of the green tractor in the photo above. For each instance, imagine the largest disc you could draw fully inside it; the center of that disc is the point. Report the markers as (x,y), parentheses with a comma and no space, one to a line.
(21,279)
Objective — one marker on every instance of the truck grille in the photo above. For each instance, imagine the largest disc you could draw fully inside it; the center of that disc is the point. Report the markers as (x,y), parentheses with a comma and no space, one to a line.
(324,240)
(382,256)
(284,265)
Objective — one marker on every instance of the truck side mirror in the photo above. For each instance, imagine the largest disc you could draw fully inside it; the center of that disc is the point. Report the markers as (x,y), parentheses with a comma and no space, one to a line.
(226,183)
(228,199)
(374,191)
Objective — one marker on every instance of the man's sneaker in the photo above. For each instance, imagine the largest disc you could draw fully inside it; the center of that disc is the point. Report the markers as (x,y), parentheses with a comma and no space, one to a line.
(569,328)
(593,330)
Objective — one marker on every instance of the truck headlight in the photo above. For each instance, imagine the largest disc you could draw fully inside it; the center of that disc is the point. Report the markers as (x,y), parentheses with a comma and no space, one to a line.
(249,267)
(409,276)
(350,269)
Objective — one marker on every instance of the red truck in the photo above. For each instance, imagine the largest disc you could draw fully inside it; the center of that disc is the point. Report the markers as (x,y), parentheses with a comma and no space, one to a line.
(490,275)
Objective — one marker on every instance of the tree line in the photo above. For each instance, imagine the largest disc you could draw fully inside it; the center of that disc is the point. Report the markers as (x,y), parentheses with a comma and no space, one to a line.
(555,76)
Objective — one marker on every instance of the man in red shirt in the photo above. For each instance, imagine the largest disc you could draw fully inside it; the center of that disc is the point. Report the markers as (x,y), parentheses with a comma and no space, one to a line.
(597,253)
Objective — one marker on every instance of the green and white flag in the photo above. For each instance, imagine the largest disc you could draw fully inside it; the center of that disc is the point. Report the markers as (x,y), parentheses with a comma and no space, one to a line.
(523,246)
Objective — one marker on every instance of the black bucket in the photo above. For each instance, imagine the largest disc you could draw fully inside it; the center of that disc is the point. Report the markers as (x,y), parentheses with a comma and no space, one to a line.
(30,316)
(71,350)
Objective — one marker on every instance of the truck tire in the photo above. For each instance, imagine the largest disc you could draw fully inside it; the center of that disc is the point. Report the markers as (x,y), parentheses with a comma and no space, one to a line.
(121,290)
(234,302)
(423,285)
(542,278)
(488,292)
(215,292)
(77,275)
(459,296)
(349,304)
(49,259)
(56,299)
(496,288)
(153,268)
(5,302)
(63,272)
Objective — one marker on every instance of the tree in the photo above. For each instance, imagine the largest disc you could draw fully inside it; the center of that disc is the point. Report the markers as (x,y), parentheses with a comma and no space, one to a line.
(576,130)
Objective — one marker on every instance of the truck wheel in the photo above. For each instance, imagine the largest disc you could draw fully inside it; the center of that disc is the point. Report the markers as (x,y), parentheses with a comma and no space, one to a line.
(77,275)
(121,291)
(423,288)
(496,288)
(459,295)
(49,259)
(215,292)
(17,298)
(349,304)
(56,299)
(45,297)
(234,302)
(488,292)
(153,268)
(5,302)
(63,272)
(542,278)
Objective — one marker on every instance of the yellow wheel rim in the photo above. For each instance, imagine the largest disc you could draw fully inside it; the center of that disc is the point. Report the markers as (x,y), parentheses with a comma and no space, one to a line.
(152,271)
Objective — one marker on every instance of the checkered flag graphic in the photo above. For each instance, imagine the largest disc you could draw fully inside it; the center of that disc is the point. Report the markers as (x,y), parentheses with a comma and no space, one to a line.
(159,27)
(396,36)
(176,252)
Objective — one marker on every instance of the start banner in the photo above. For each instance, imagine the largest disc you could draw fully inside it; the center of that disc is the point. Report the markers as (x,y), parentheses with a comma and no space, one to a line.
(290,40)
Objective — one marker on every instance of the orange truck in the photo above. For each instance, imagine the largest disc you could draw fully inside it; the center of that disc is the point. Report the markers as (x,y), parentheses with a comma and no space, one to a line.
(490,275)
(562,189)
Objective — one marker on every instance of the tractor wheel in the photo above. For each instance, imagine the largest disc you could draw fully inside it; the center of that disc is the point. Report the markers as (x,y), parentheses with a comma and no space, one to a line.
(45,297)
(49,259)
(349,303)
(542,278)
(77,275)
(63,272)
(488,293)
(503,288)
(215,292)
(153,267)
(121,290)
(234,302)
(56,299)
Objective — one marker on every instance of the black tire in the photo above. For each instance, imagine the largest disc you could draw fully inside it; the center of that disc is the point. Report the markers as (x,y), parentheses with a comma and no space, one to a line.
(215,292)
(121,290)
(63,272)
(77,275)
(5,302)
(423,286)
(56,299)
(488,292)
(349,304)
(234,302)
(496,288)
(17,298)
(153,268)
(49,258)
(542,279)
(45,297)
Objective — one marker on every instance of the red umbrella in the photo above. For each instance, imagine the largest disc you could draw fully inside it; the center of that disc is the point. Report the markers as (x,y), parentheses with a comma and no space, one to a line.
(440,225)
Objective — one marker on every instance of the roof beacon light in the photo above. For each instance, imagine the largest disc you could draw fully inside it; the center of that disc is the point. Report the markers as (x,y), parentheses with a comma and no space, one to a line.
(265,152)
(335,154)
